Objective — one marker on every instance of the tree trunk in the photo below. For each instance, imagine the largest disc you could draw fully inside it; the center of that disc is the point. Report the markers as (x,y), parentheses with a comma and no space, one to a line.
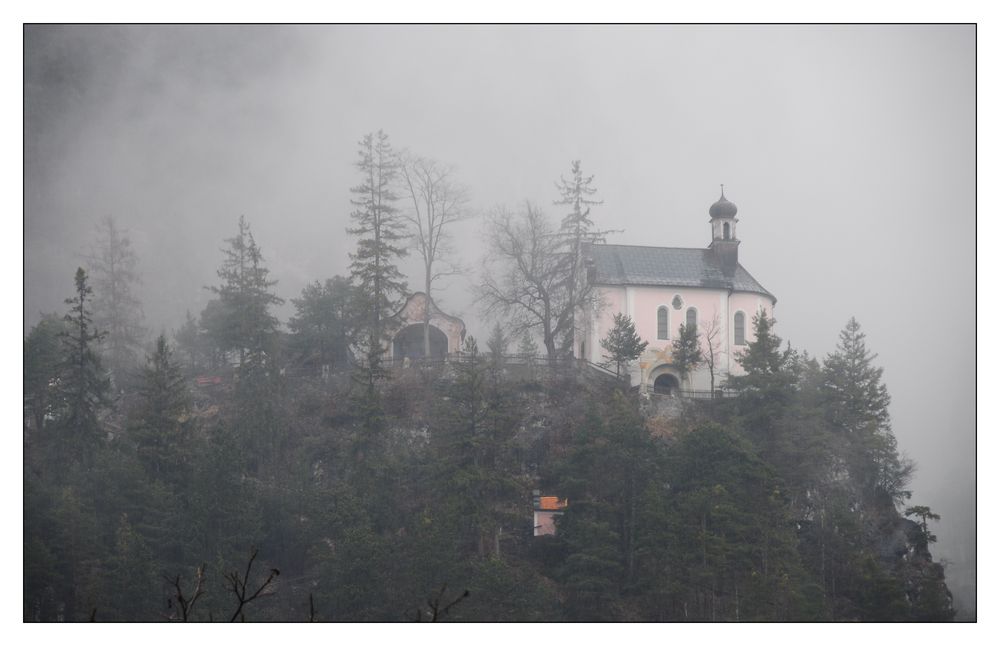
(630,557)
(427,313)
(550,348)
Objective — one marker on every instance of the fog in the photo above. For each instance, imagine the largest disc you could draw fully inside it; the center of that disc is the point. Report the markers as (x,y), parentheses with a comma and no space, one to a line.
(849,150)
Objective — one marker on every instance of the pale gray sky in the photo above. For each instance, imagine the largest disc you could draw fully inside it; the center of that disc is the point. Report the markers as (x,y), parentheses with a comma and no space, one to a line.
(849,150)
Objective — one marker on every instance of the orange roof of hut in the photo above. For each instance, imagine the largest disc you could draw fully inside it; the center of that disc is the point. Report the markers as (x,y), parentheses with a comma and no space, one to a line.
(552,503)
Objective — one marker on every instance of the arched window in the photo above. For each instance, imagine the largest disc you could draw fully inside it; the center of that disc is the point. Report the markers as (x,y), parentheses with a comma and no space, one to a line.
(725,231)
(739,329)
(692,317)
(662,323)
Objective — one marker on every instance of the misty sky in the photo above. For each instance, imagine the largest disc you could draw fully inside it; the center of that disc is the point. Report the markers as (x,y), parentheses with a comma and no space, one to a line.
(850,151)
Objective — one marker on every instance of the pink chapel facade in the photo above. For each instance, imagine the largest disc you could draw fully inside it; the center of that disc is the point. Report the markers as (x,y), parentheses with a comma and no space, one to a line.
(661,288)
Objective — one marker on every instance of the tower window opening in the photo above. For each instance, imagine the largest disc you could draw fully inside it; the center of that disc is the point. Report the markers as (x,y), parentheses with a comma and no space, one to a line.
(725,231)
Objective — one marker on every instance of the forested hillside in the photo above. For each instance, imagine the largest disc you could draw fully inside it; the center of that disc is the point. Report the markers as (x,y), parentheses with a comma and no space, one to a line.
(242,469)
(383,503)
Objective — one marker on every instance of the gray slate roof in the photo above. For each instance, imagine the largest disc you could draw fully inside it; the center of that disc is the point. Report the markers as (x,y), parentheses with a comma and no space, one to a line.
(669,266)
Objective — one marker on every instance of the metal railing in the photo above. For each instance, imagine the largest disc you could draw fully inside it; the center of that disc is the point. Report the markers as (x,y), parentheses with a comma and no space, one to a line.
(698,394)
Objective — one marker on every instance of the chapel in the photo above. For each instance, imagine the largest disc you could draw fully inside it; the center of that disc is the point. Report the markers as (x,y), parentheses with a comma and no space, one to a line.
(661,288)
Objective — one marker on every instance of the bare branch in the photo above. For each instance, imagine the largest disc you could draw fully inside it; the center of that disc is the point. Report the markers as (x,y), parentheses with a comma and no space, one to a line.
(526,277)
(238,586)
(436,609)
(186,603)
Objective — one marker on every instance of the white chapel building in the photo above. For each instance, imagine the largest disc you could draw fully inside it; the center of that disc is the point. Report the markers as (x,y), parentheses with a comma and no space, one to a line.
(662,287)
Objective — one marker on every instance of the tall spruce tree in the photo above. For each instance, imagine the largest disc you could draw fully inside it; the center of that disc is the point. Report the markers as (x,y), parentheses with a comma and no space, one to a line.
(244,323)
(117,310)
(577,230)
(858,406)
(84,383)
(380,231)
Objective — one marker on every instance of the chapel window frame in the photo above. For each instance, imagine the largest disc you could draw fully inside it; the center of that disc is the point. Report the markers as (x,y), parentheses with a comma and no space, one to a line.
(663,323)
(739,328)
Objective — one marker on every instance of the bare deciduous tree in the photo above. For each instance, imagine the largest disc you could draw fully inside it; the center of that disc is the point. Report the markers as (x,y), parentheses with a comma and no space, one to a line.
(525,279)
(438,203)
(712,330)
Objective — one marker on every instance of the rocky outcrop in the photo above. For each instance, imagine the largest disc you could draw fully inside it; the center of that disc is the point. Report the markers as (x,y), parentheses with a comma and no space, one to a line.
(903,550)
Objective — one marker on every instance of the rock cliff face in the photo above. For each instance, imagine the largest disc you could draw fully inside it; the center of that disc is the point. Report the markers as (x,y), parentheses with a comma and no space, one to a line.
(903,550)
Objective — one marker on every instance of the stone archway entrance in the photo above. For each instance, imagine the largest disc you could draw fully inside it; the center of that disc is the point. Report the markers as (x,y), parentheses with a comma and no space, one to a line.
(666,384)
(409,343)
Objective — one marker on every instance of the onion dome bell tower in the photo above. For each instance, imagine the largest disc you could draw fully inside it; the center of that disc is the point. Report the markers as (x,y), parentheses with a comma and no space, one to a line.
(724,241)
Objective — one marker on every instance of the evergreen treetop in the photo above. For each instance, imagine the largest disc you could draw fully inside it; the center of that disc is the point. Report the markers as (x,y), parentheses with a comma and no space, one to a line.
(687,355)
(244,323)
(622,345)
(117,310)
(84,384)
(379,228)
(161,428)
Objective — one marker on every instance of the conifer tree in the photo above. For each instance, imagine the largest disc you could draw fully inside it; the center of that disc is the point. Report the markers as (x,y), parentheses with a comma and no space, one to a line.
(130,574)
(622,345)
(190,345)
(592,571)
(767,388)
(117,309)
(767,366)
(324,322)
(84,383)
(604,475)
(763,355)
(244,323)
(686,353)
(857,398)
(42,359)
(497,345)
(161,429)
(380,232)
(858,405)
(527,347)
(475,445)
(576,231)
(924,513)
